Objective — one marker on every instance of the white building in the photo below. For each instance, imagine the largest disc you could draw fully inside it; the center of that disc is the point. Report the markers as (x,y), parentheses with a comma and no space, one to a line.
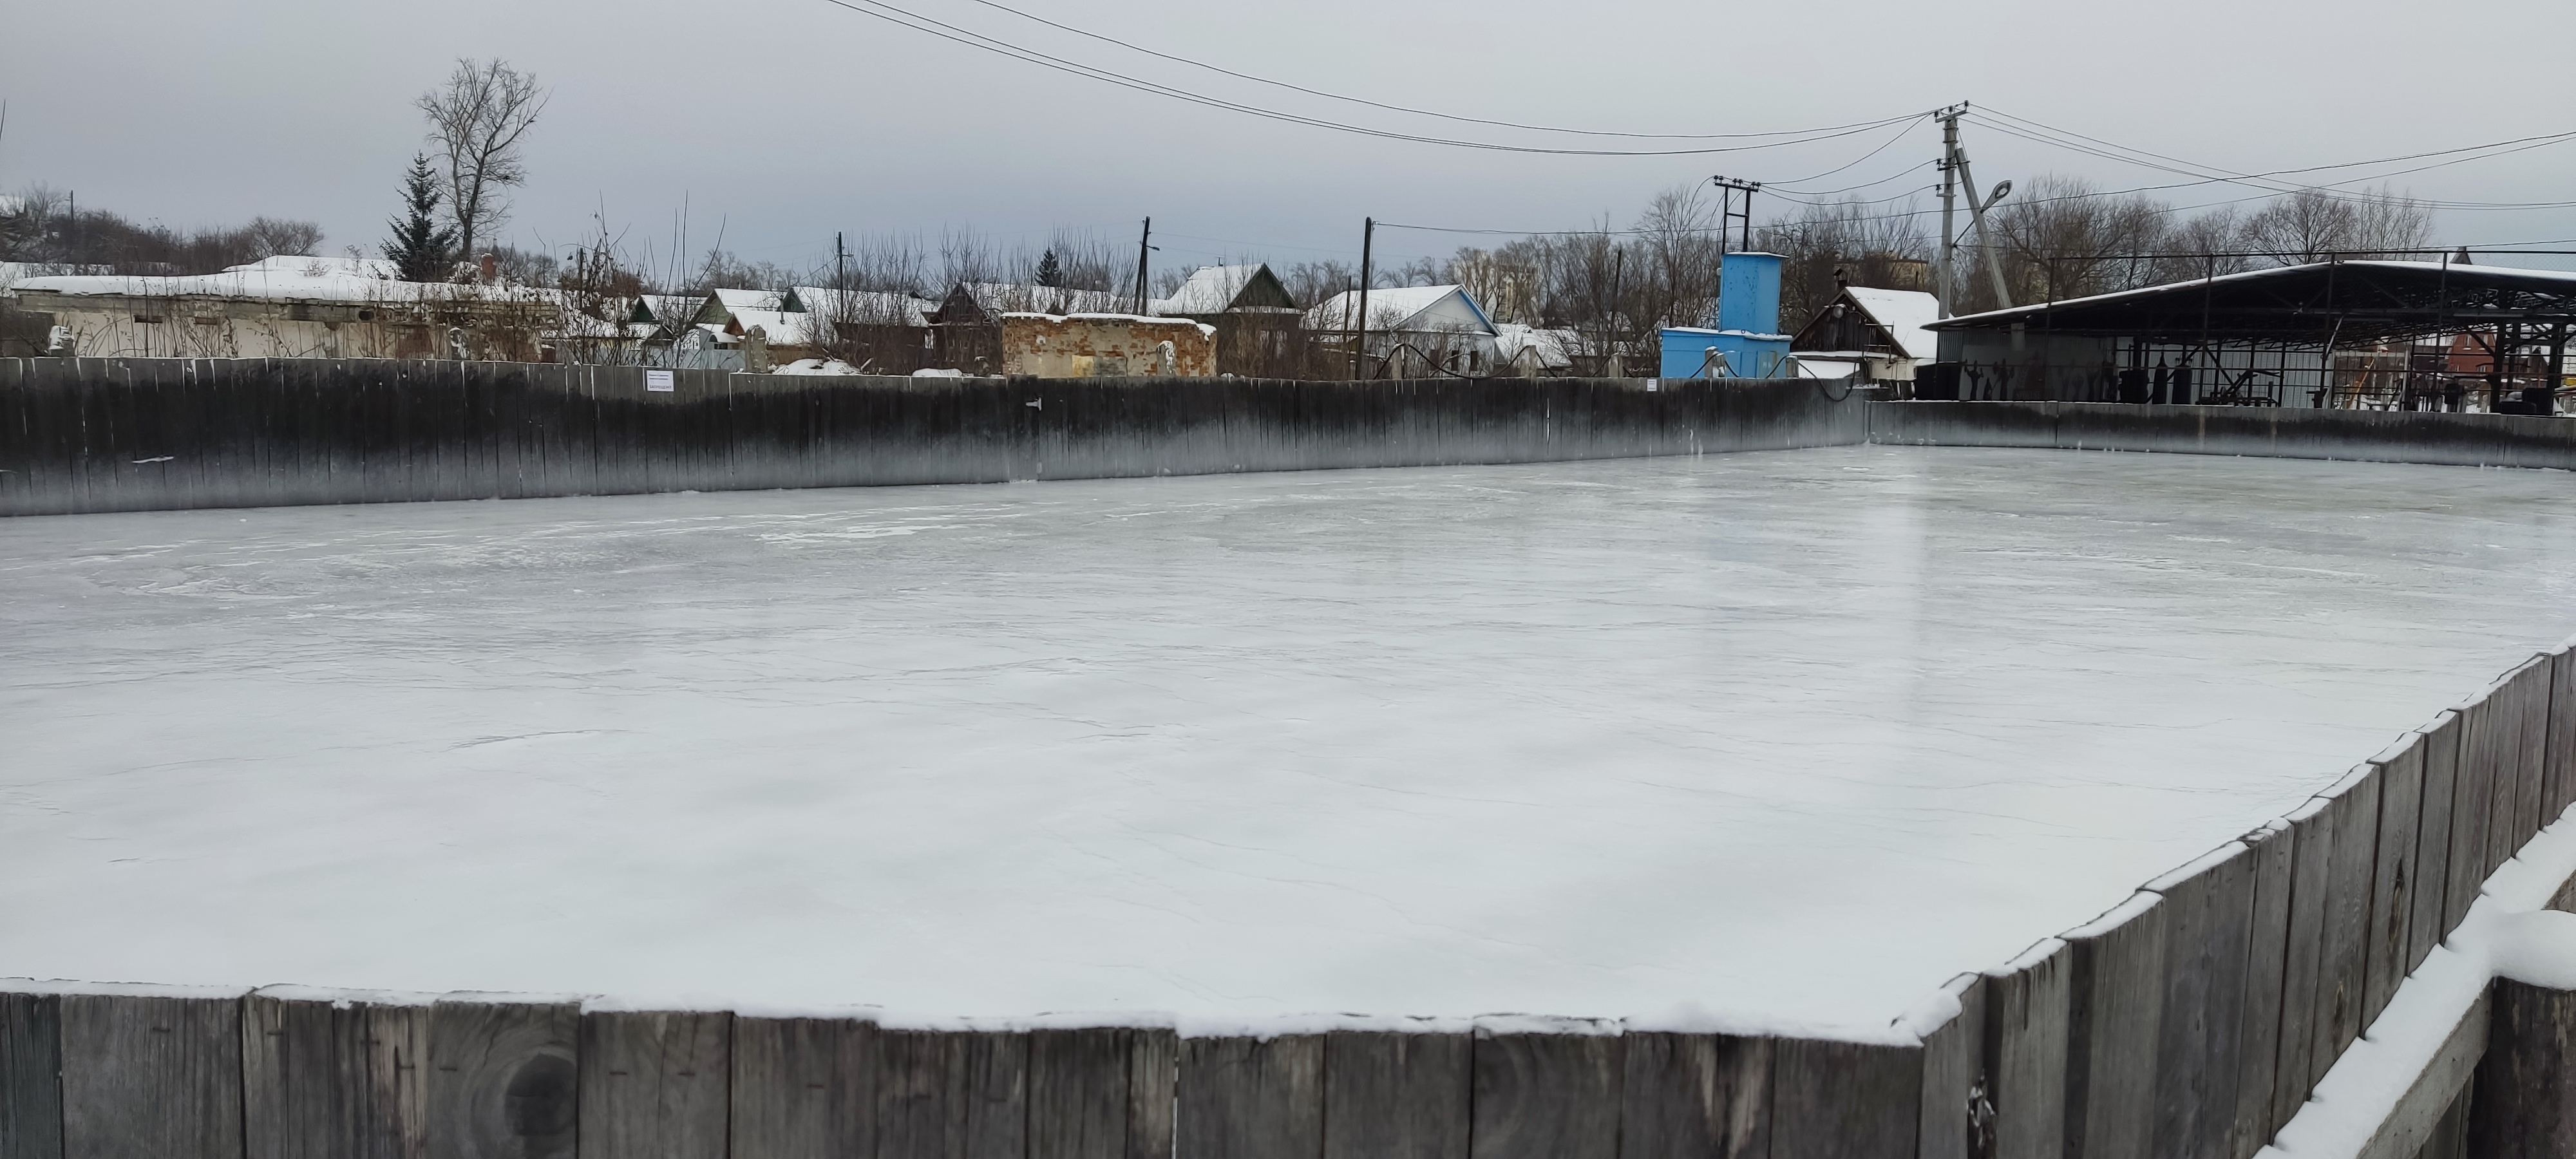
(1413,331)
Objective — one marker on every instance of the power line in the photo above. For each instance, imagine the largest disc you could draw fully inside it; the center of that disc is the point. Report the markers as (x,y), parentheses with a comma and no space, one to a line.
(880,10)
(1393,108)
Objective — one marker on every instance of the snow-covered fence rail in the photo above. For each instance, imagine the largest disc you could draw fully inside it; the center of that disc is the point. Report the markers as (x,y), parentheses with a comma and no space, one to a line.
(2467,440)
(85,435)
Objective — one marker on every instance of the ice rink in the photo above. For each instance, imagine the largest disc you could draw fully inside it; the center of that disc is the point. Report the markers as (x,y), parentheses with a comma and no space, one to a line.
(1786,737)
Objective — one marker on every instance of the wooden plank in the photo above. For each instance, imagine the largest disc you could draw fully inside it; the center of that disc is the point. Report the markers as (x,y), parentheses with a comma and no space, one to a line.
(2258,1031)
(2114,1019)
(2208,923)
(151,1076)
(2341,964)
(803,1088)
(324,1079)
(1695,1096)
(1844,1100)
(1153,1072)
(2472,787)
(952,1095)
(1251,1098)
(2533,750)
(1958,1112)
(2394,875)
(1396,1096)
(2426,927)
(654,1084)
(2025,1049)
(2432,1103)
(31,1063)
(2524,1102)
(504,1079)
(1545,1096)
(2312,830)
(2558,784)
(2500,727)
(1085,1097)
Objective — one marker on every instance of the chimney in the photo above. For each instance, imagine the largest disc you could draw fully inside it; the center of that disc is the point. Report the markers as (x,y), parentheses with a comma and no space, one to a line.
(491,269)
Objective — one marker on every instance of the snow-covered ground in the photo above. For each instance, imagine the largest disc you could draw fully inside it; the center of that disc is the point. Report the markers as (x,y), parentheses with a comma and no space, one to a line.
(1789,738)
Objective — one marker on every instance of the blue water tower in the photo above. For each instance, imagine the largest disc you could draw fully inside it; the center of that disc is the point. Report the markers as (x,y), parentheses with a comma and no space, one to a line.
(1746,342)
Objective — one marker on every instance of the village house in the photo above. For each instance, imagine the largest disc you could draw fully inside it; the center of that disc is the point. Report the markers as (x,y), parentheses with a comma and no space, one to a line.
(1877,334)
(1413,331)
(1257,323)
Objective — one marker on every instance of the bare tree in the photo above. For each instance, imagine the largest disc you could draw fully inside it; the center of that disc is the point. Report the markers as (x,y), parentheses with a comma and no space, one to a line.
(2311,225)
(478,121)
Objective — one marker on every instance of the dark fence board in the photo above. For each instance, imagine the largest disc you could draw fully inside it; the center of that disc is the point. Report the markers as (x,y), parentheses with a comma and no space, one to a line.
(2272,852)
(2523,1105)
(2114,1016)
(1695,1096)
(1546,1096)
(1390,1095)
(31,1062)
(2472,788)
(2558,783)
(2313,831)
(1844,1100)
(1957,1115)
(504,1079)
(2428,924)
(2504,748)
(2394,878)
(2342,961)
(2532,695)
(2025,1046)
(334,1080)
(158,1077)
(654,1083)
(1082,1094)
(1249,1098)
(952,1095)
(803,1088)
(1153,1069)
(2208,924)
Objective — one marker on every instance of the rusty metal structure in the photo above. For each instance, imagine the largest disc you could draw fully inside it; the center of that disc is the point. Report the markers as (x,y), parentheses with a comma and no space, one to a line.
(2360,334)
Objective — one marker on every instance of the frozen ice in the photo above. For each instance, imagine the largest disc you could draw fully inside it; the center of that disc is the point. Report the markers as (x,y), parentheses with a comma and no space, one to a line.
(1773,741)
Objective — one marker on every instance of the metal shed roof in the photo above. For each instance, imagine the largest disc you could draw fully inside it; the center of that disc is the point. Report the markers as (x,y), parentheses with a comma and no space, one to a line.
(2343,301)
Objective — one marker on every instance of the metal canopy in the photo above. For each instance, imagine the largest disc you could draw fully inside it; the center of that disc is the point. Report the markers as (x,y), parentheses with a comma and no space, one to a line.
(2347,304)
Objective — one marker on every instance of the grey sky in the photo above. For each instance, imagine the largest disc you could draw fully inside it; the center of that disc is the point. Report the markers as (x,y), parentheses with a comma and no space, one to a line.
(784,120)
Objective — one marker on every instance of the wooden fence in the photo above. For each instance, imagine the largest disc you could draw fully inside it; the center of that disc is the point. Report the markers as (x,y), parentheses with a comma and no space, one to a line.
(147,434)
(2191,1020)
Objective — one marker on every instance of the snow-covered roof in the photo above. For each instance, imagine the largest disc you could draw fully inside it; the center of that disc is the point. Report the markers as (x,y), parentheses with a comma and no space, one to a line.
(779,327)
(1547,348)
(285,278)
(669,308)
(1904,313)
(1209,290)
(1404,308)
(2471,274)
(736,300)
(1011,297)
(878,307)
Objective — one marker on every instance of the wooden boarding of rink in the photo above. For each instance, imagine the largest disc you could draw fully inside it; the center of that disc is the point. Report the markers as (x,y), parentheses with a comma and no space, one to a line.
(2192,1020)
(93,435)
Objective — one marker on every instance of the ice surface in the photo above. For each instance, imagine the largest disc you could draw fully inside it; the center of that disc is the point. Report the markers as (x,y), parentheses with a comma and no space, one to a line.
(1778,740)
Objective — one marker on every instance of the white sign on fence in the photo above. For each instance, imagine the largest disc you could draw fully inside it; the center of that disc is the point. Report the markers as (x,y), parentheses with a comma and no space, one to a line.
(657,380)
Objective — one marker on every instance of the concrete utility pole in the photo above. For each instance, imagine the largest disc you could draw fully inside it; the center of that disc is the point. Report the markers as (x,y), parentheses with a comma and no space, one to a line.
(1949,204)
(1955,174)
(1359,340)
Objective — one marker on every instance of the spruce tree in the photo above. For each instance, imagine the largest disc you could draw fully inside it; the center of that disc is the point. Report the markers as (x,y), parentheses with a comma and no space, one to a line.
(421,249)
(1050,271)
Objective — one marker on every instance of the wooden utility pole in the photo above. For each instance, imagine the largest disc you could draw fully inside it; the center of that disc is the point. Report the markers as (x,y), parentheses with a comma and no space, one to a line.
(1144,247)
(1359,342)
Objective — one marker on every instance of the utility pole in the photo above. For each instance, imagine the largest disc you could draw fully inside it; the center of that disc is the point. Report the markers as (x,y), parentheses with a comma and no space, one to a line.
(1144,247)
(840,263)
(1727,188)
(1949,203)
(1955,174)
(1359,341)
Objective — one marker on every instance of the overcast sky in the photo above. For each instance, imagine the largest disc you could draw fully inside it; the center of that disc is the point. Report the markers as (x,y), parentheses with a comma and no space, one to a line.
(781,121)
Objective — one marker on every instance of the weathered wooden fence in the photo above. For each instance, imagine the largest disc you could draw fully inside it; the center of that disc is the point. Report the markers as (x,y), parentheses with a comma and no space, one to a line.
(2467,440)
(2192,1020)
(88,434)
